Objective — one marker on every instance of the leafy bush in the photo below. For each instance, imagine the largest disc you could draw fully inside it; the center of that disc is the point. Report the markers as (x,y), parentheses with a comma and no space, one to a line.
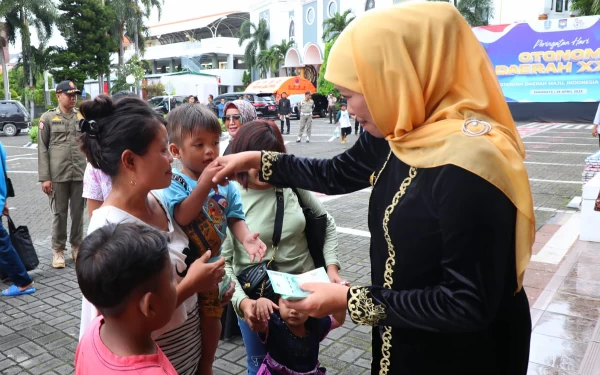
(33,131)
(155,90)
(223,127)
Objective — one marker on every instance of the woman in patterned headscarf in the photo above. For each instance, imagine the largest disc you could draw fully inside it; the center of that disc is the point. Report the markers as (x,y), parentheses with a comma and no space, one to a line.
(237,113)
(450,214)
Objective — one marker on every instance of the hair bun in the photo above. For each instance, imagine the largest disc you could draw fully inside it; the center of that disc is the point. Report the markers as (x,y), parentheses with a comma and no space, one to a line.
(101,106)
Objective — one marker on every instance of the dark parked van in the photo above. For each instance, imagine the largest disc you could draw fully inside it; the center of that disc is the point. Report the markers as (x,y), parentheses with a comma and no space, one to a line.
(13,117)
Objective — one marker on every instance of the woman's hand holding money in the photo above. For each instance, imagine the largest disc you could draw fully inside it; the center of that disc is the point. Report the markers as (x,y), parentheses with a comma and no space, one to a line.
(324,299)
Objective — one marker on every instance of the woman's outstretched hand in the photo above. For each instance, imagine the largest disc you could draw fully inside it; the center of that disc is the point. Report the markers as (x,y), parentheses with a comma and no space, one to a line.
(324,299)
(241,162)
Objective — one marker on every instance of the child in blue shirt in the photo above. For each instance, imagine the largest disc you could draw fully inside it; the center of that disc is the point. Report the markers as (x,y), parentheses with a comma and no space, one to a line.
(204,210)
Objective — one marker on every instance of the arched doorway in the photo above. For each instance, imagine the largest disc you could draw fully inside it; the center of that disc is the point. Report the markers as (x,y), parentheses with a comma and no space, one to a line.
(313,58)
(291,62)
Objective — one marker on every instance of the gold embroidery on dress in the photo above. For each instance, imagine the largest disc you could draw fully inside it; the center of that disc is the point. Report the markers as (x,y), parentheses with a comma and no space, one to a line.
(373,179)
(267,160)
(362,308)
(386,338)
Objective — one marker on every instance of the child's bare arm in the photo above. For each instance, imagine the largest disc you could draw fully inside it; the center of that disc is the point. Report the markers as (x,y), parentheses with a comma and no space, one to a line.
(338,319)
(186,211)
(252,244)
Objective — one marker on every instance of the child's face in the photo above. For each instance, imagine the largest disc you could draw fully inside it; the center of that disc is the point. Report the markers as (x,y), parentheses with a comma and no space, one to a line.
(164,299)
(197,150)
(343,108)
(291,317)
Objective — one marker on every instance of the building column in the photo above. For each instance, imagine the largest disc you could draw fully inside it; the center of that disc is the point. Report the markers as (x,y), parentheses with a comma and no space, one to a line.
(172,66)
(230,65)
(215,61)
(154,66)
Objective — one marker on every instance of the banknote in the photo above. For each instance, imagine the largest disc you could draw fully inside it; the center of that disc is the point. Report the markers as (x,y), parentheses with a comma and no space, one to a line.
(288,285)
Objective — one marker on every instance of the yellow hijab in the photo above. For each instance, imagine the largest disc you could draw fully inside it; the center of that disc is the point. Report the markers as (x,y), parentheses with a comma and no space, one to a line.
(423,73)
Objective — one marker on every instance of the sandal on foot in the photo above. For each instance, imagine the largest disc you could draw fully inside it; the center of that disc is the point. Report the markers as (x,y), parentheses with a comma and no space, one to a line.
(14,291)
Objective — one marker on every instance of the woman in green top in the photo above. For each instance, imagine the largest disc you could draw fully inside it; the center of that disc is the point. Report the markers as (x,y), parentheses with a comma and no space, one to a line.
(292,254)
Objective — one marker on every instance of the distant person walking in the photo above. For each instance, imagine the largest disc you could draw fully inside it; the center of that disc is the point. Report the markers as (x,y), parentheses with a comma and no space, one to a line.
(212,105)
(306,112)
(331,100)
(61,166)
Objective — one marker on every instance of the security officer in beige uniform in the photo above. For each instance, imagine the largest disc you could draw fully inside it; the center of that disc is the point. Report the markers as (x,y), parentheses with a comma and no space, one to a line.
(306,114)
(60,167)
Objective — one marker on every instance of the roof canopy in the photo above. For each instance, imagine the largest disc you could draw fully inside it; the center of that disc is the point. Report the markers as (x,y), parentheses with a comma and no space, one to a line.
(290,85)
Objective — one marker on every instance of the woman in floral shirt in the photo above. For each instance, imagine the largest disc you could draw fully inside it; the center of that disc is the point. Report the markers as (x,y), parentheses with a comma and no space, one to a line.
(96,187)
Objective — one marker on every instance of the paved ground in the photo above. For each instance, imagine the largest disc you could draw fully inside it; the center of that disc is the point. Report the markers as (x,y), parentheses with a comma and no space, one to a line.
(38,333)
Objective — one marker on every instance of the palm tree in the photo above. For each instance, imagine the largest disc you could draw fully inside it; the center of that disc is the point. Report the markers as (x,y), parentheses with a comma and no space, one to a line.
(282,48)
(129,17)
(3,44)
(268,60)
(332,27)
(21,16)
(257,37)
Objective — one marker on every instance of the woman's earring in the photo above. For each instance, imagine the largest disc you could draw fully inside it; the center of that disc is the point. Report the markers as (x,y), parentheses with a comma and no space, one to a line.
(133,182)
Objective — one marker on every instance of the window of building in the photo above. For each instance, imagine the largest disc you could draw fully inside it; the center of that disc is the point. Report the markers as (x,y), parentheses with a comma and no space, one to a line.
(292,31)
(370,4)
(222,64)
(332,8)
(310,15)
(559,6)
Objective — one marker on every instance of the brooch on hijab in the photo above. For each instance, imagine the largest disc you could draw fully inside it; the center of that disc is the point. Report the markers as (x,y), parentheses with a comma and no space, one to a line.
(473,127)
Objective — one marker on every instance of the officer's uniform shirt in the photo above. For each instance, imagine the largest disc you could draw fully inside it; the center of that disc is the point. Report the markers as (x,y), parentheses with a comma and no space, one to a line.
(307,106)
(59,156)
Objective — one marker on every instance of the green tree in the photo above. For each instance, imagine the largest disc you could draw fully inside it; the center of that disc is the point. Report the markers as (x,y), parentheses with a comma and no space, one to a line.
(22,16)
(325,87)
(586,7)
(132,67)
(88,45)
(268,60)
(332,27)
(246,79)
(3,44)
(257,37)
(475,12)
(282,49)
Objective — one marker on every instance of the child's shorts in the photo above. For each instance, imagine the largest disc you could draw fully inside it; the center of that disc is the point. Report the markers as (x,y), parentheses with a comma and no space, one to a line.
(202,235)
(346,131)
(210,304)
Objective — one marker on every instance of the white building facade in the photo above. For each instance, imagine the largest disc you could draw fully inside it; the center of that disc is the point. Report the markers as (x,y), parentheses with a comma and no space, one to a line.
(302,22)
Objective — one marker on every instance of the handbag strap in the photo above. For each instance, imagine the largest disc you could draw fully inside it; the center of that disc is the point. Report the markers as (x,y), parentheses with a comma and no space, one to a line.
(11,225)
(278,218)
(278,224)
(299,198)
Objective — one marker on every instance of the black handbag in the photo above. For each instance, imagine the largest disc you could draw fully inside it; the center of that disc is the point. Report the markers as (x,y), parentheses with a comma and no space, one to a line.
(21,241)
(316,229)
(254,280)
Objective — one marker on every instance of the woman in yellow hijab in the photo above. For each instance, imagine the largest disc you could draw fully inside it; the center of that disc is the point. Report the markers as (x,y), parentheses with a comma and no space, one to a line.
(451,215)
